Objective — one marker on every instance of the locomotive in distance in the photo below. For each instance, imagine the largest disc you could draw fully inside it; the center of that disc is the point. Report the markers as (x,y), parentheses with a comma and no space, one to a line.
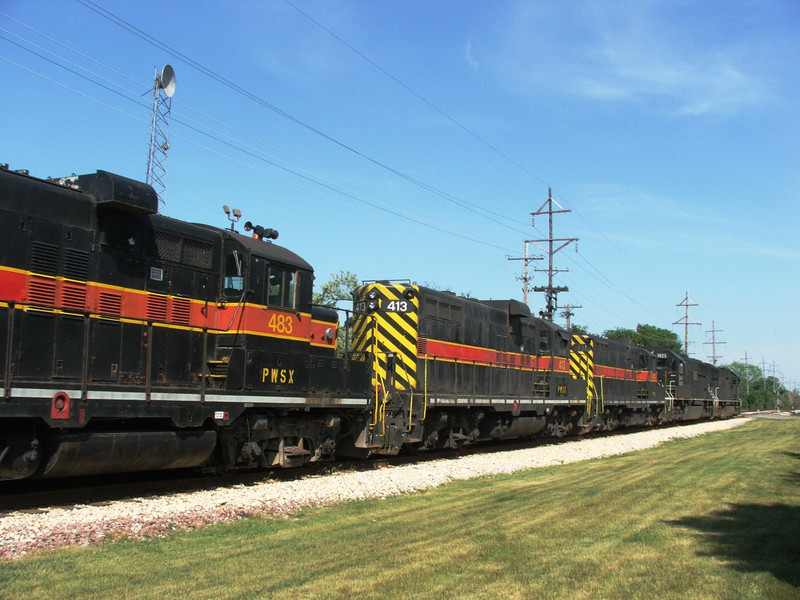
(133,341)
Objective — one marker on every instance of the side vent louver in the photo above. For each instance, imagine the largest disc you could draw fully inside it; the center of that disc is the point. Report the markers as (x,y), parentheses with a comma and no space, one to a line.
(76,264)
(44,258)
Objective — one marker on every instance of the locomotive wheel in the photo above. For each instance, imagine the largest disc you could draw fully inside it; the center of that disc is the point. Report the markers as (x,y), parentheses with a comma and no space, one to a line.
(20,457)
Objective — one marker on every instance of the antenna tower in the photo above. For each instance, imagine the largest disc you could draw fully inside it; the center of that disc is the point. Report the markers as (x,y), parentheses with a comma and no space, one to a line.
(551,292)
(685,321)
(163,90)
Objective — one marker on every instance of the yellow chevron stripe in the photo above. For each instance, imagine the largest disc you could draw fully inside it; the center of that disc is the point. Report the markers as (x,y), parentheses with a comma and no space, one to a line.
(387,331)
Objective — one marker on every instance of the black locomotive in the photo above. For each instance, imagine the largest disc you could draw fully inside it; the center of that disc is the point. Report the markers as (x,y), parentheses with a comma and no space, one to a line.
(133,341)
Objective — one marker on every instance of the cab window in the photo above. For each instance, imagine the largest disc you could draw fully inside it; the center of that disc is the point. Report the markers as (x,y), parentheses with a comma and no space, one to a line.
(233,283)
(544,341)
(281,287)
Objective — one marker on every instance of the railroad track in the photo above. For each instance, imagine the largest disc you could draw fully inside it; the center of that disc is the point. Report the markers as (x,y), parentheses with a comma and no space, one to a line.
(34,496)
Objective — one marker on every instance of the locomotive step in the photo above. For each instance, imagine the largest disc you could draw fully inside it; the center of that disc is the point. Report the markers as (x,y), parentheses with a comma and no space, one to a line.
(292,451)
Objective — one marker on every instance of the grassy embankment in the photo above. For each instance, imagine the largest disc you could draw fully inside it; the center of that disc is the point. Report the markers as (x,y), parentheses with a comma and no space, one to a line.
(711,517)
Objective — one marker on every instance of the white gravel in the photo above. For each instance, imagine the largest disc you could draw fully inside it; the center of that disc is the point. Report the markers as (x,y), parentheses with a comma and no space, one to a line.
(23,532)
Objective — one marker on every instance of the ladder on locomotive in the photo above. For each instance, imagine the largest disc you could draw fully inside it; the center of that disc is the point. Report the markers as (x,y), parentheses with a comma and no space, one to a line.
(669,392)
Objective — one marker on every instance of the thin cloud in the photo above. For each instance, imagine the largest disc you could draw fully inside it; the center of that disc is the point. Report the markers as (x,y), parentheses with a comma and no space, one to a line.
(470,57)
(632,52)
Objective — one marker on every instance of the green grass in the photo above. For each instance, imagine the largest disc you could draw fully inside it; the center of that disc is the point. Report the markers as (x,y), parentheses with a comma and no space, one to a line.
(711,517)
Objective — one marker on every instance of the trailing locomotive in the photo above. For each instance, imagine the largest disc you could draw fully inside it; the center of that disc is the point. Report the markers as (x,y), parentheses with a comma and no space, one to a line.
(133,341)
(448,371)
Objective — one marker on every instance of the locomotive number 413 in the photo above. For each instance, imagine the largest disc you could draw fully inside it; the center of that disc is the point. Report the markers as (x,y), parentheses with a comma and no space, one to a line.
(399,306)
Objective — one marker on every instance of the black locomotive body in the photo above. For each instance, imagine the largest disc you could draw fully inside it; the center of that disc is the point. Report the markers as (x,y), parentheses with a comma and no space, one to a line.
(448,371)
(133,341)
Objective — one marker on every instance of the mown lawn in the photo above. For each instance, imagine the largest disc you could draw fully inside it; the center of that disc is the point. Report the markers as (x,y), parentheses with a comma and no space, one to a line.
(711,517)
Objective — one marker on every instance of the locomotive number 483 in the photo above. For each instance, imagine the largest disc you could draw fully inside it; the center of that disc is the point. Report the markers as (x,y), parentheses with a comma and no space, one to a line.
(281,324)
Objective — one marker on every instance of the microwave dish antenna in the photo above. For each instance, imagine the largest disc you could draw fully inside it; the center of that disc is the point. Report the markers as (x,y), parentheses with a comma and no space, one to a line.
(166,81)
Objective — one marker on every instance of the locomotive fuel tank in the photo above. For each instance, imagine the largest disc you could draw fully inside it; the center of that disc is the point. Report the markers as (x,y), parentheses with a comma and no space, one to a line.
(89,453)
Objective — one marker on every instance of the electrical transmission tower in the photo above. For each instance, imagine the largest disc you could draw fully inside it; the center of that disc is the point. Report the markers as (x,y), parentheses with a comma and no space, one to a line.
(526,278)
(551,291)
(685,321)
(163,89)
(714,331)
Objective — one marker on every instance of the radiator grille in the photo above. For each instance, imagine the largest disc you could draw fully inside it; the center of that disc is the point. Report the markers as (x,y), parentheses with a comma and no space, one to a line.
(109,304)
(73,297)
(42,291)
(181,310)
(157,308)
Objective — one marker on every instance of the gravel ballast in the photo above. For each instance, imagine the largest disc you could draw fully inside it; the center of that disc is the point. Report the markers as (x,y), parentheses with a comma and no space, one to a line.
(22,532)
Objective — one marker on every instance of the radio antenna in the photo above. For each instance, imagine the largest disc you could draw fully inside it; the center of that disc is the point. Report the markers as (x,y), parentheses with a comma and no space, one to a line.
(163,90)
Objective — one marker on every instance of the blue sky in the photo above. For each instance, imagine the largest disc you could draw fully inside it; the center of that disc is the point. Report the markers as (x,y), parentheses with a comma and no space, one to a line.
(412,139)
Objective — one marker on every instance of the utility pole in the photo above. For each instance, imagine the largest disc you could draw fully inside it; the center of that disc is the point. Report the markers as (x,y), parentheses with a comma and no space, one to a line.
(685,321)
(526,278)
(746,373)
(567,312)
(714,342)
(551,292)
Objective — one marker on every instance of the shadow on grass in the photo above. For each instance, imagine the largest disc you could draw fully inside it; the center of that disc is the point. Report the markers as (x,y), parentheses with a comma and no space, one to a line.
(752,537)
(792,477)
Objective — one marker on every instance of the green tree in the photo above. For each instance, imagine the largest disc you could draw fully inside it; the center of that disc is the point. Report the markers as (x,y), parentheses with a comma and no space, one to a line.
(758,392)
(620,333)
(337,289)
(574,328)
(647,335)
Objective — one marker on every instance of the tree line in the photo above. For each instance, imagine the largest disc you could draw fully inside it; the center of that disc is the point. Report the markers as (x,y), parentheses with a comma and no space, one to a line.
(759,392)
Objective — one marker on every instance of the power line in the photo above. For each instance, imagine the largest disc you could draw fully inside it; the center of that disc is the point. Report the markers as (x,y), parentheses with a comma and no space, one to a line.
(234,144)
(480,211)
(310,179)
(413,92)
(525,278)
(594,272)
